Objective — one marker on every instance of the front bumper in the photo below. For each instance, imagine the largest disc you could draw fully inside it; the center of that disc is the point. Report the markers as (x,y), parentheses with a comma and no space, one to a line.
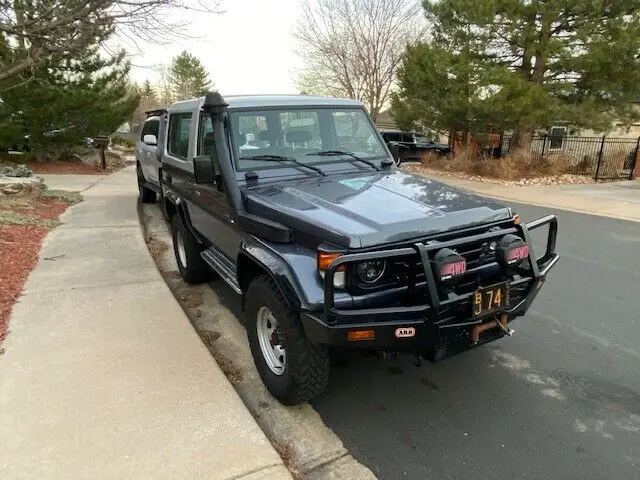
(429,326)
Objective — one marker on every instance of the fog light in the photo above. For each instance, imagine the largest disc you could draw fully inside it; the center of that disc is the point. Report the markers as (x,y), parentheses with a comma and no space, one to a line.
(448,264)
(511,251)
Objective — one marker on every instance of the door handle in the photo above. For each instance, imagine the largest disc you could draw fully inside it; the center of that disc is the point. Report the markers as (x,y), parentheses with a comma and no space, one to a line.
(198,193)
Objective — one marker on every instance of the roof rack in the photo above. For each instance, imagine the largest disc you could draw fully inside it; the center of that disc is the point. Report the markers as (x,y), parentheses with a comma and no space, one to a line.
(155,113)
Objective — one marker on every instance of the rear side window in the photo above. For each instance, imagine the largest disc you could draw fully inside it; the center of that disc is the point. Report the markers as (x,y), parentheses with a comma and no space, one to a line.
(179,129)
(392,136)
(151,127)
(407,137)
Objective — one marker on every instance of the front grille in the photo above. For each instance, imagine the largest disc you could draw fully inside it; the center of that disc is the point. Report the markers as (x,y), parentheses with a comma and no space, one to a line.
(408,271)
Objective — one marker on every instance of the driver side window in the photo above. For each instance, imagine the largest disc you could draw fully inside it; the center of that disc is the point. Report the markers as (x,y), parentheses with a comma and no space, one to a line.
(206,143)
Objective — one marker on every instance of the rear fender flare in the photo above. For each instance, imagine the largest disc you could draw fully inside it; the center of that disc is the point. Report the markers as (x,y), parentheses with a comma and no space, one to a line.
(182,212)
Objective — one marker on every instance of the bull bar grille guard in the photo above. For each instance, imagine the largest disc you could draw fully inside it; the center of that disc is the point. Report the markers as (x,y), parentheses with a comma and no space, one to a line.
(540,266)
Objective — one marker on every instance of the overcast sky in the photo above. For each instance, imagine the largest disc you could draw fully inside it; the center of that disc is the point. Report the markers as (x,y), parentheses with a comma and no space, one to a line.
(247,49)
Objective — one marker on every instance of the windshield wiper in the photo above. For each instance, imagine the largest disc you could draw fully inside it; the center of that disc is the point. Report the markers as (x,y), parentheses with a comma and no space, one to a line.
(331,153)
(282,159)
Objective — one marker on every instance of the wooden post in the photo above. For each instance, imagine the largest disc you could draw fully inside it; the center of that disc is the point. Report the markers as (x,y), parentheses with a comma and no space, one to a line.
(103,158)
(544,144)
(635,168)
(600,157)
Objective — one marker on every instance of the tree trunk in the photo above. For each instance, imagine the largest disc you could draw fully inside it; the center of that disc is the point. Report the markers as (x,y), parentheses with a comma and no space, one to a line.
(522,138)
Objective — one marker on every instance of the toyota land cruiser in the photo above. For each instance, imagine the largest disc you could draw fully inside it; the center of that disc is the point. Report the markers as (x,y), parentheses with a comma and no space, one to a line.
(296,203)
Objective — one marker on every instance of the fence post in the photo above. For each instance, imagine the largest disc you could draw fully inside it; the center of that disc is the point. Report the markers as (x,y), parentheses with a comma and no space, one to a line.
(635,164)
(600,157)
(544,144)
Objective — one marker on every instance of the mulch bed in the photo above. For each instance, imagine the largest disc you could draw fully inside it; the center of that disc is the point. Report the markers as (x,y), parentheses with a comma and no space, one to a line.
(66,167)
(19,247)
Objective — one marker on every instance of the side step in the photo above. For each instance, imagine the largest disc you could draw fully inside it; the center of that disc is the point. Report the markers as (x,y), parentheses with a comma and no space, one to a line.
(219,262)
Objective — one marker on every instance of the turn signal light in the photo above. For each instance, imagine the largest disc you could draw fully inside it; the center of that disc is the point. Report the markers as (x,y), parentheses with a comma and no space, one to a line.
(358,335)
(516,219)
(325,259)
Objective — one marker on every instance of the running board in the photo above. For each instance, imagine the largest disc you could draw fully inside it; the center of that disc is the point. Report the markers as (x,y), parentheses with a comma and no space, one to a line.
(219,262)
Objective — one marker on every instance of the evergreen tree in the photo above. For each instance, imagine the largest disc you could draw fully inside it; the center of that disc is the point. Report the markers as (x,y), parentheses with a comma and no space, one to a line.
(187,77)
(524,64)
(67,99)
(148,101)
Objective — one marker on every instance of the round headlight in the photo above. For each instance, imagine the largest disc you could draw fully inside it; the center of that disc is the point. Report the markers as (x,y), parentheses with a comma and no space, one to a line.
(371,271)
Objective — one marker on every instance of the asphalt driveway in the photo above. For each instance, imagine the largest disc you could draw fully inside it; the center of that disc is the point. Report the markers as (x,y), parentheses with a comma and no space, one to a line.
(560,399)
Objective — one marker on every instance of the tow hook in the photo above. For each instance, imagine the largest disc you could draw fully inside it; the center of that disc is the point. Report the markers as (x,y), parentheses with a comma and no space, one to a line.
(501,322)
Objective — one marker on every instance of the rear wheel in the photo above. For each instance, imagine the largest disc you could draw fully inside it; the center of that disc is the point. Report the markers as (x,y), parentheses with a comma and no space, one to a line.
(145,193)
(192,267)
(292,368)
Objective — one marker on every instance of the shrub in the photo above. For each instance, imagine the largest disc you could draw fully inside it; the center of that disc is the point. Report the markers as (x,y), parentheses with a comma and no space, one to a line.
(123,142)
(19,170)
(516,165)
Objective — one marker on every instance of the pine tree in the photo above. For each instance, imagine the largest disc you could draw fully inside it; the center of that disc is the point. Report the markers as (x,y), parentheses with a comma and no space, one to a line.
(67,99)
(148,101)
(530,63)
(187,77)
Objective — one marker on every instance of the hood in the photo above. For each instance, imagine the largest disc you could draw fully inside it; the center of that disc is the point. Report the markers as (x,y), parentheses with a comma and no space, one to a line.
(364,210)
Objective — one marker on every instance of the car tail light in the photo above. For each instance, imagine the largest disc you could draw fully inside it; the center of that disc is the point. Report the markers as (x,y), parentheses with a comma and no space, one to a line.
(511,251)
(448,264)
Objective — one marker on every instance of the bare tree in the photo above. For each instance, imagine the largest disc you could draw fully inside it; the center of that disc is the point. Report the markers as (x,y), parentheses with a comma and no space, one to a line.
(30,30)
(353,48)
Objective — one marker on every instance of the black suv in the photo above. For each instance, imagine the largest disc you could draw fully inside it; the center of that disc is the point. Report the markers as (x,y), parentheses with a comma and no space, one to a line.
(295,202)
(410,146)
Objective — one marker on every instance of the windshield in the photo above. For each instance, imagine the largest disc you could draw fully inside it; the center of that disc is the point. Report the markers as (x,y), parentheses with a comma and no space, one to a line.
(422,139)
(304,135)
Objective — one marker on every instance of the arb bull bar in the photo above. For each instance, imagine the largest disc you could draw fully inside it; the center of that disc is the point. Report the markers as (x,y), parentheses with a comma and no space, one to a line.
(415,327)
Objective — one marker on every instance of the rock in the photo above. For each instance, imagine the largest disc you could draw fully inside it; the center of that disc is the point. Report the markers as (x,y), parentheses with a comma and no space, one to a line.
(20,185)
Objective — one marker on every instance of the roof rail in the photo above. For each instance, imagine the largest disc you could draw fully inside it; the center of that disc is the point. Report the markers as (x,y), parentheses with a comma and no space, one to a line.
(155,113)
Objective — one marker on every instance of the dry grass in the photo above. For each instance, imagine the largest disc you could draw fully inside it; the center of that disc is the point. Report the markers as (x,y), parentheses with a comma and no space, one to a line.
(190,300)
(156,246)
(286,452)
(515,166)
(69,197)
(233,373)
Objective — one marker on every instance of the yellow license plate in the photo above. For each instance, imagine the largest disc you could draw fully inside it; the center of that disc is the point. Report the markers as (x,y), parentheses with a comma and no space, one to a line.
(488,300)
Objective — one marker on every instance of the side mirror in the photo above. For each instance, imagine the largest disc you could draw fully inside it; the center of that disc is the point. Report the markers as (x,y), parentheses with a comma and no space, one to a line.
(150,139)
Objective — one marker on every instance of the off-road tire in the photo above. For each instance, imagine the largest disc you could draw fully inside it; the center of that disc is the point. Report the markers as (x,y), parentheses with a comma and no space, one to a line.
(145,193)
(306,373)
(194,269)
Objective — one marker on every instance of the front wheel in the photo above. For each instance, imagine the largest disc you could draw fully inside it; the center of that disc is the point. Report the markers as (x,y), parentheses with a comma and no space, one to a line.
(292,368)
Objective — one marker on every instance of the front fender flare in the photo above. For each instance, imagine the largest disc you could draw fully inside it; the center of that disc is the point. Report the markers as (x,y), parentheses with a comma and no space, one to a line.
(291,267)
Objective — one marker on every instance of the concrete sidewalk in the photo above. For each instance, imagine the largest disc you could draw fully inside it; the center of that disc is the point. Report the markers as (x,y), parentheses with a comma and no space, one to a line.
(616,199)
(103,376)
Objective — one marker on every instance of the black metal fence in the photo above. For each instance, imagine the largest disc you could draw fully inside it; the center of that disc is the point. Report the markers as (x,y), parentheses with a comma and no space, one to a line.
(603,158)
